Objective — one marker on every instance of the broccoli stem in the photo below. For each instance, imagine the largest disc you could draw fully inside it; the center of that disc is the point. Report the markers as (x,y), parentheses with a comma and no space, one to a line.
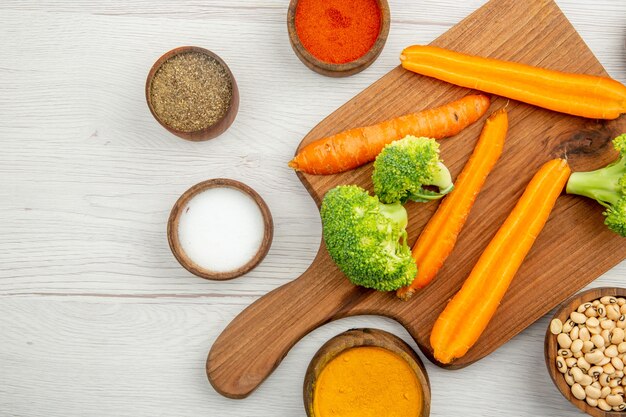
(395,212)
(443,179)
(601,185)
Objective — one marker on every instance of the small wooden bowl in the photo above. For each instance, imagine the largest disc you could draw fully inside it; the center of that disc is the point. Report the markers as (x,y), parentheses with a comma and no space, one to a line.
(551,347)
(338,70)
(181,256)
(364,337)
(218,127)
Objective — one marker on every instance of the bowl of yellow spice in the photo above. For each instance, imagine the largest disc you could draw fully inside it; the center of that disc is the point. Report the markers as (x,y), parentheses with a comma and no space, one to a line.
(366,373)
(192,93)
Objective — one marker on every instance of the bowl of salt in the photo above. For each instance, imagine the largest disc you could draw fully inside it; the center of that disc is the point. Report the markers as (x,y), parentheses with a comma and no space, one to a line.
(220,229)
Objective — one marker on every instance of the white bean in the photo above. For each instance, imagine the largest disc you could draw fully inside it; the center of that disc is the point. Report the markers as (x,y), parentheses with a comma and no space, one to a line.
(604,380)
(578,391)
(591,401)
(593,357)
(587,346)
(568,326)
(608,369)
(586,380)
(614,400)
(577,373)
(592,322)
(607,299)
(597,340)
(595,330)
(584,334)
(612,312)
(602,405)
(622,309)
(604,361)
(583,364)
(606,335)
(556,326)
(566,353)
(564,341)
(601,310)
(607,324)
(571,362)
(617,363)
(592,392)
(595,372)
(617,336)
(621,348)
(569,379)
(620,407)
(604,392)
(611,351)
(621,322)
(591,312)
(574,333)
(576,346)
(577,317)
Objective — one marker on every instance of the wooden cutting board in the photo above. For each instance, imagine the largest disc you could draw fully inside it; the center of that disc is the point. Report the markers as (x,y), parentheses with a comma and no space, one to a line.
(573,249)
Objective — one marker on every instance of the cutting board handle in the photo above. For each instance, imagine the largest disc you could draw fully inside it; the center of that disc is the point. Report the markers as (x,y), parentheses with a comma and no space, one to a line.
(257,340)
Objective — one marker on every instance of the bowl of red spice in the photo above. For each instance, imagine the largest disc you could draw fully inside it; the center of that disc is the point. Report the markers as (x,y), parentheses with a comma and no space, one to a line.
(192,93)
(338,38)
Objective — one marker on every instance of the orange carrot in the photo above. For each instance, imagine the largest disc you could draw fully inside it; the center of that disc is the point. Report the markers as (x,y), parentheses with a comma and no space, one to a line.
(466,316)
(577,94)
(355,147)
(440,234)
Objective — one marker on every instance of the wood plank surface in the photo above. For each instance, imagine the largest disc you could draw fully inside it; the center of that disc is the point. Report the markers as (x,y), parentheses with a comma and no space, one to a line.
(573,249)
(96,316)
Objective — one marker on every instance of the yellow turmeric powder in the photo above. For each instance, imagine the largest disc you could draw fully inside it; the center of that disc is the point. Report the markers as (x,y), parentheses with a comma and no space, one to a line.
(367,381)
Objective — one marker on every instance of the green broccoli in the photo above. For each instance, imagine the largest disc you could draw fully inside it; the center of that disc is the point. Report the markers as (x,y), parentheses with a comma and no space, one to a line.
(405,167)
(367,239)
(607,186)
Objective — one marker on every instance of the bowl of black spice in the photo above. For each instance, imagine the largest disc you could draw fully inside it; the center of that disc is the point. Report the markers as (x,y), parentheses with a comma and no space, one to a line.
(192,93)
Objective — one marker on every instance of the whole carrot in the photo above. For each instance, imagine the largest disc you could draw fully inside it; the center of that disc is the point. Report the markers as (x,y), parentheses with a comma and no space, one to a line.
(467,315)
(440,234)
(577,94)
(355,147)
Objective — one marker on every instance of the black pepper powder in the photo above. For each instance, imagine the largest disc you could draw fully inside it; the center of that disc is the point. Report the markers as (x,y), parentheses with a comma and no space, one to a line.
(191,91)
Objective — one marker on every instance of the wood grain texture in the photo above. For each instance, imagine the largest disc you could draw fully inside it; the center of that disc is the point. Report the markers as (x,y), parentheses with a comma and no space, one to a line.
(535,33)
(551,346)
(96,316)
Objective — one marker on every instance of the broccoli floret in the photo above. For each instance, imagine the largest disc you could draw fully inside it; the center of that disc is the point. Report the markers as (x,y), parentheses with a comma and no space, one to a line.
(607,186)
(405,167)
(367,239)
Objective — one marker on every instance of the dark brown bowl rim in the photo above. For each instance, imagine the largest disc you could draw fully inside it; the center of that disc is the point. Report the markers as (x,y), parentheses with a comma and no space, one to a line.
(174,218)
(550,346)
(216,128)
(348,68)
(361,337)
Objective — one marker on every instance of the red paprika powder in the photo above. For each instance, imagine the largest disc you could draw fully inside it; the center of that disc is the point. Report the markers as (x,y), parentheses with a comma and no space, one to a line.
(338,31)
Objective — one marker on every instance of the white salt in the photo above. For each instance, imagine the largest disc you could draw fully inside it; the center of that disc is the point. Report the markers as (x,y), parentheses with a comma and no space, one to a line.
(221,229)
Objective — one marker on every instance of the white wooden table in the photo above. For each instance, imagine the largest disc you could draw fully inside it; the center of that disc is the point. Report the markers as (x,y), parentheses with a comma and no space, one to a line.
(96,316)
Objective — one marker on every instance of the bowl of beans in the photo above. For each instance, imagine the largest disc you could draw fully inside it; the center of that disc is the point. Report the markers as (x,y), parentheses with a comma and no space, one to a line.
(585,351)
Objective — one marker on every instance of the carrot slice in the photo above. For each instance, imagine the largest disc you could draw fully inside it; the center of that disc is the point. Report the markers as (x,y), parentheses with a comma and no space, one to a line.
(467,315)
(438,238)
(355,147)
(578,94)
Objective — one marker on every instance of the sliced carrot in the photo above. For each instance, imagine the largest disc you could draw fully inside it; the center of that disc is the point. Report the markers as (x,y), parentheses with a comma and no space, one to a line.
(467,315)
(577,94)
(438,238)
(355,147)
